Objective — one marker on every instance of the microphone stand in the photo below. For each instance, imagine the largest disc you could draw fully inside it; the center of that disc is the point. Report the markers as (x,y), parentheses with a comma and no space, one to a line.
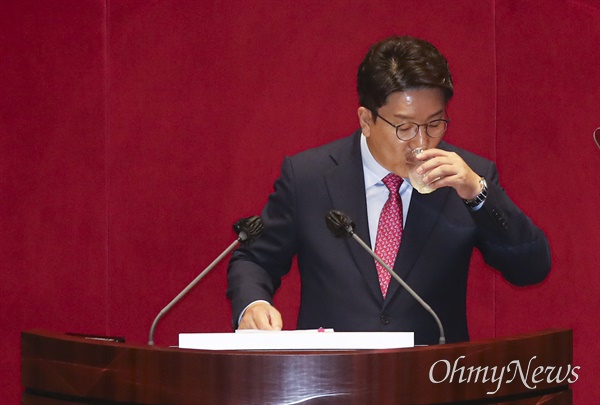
(248,229)
(187,289)
(341,225)
(406,287)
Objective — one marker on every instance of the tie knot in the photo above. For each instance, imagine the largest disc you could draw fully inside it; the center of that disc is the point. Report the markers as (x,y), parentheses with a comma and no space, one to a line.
(392,182)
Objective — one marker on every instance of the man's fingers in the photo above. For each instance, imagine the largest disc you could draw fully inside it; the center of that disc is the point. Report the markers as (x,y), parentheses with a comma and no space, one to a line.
(275,319)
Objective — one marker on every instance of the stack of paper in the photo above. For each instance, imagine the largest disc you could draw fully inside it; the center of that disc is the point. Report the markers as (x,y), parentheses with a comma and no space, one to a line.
(318,339)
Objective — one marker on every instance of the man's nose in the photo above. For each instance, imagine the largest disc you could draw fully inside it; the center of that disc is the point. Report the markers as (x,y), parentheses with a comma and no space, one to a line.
(421,139)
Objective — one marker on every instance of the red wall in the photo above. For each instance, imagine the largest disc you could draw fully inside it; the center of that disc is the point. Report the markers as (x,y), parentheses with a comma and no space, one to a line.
(134,133)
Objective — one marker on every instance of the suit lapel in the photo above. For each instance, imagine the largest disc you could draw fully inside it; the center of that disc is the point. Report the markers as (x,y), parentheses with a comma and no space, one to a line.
(423,214)
(346,187)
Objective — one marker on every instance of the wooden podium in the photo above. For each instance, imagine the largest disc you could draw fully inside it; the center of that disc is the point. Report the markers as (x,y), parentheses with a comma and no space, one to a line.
(59,369)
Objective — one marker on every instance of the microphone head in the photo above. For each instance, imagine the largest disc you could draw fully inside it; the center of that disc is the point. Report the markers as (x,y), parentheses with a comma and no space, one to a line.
(339,224)
(249,229)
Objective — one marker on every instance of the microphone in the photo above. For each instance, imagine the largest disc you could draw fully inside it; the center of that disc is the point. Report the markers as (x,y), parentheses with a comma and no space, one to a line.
(341,226)
(596,137)
(248,230)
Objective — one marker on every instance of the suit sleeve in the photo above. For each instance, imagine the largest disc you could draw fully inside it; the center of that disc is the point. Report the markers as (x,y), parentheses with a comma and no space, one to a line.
(508,239)
(255,270)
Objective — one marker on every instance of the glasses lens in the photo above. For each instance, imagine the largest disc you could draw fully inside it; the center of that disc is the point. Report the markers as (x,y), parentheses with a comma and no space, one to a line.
(407,131)
(437,128)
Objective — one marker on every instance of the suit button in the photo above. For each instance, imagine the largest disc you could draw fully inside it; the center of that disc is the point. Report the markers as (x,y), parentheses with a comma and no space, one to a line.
(385,319)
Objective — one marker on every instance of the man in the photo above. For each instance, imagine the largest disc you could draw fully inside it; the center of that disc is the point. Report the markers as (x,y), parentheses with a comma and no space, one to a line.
(404,85)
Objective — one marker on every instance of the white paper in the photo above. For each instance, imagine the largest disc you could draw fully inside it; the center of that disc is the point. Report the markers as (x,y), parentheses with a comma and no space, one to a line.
(296,340)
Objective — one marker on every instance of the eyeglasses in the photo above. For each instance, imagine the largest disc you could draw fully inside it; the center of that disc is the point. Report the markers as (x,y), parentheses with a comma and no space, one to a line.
(408,130)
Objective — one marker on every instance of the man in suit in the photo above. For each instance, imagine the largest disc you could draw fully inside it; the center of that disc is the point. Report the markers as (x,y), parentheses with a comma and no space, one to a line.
(404,85)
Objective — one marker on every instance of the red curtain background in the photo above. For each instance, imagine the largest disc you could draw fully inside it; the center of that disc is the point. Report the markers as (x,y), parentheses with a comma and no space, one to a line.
(133,133)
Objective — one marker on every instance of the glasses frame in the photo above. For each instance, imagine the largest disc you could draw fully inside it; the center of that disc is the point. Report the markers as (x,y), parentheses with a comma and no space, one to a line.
(397,127)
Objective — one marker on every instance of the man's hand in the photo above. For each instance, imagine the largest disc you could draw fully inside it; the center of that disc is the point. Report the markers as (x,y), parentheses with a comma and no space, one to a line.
(447,169)
(261,315)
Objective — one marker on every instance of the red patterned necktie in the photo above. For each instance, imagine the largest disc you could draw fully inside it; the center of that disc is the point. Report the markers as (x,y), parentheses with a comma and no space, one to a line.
(389,230)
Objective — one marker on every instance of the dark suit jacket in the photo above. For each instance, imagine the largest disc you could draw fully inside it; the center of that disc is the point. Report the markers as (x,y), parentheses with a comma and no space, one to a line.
(340,287)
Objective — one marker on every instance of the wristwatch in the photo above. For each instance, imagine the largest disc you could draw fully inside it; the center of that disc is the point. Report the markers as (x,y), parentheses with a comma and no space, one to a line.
(479,198)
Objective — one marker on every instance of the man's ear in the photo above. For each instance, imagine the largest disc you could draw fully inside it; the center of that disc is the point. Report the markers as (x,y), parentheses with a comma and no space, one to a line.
(365,119)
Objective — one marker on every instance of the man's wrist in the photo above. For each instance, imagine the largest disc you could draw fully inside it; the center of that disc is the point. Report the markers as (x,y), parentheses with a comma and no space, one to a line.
(479,199)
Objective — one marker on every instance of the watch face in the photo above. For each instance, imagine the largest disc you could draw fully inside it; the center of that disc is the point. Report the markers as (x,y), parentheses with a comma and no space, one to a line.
(479,198)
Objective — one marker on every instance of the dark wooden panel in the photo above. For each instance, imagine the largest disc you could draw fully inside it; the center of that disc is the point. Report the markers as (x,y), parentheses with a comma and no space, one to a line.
(103,371)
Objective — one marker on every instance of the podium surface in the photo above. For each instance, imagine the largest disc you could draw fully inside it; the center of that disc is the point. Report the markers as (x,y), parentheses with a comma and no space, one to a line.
(527,369)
